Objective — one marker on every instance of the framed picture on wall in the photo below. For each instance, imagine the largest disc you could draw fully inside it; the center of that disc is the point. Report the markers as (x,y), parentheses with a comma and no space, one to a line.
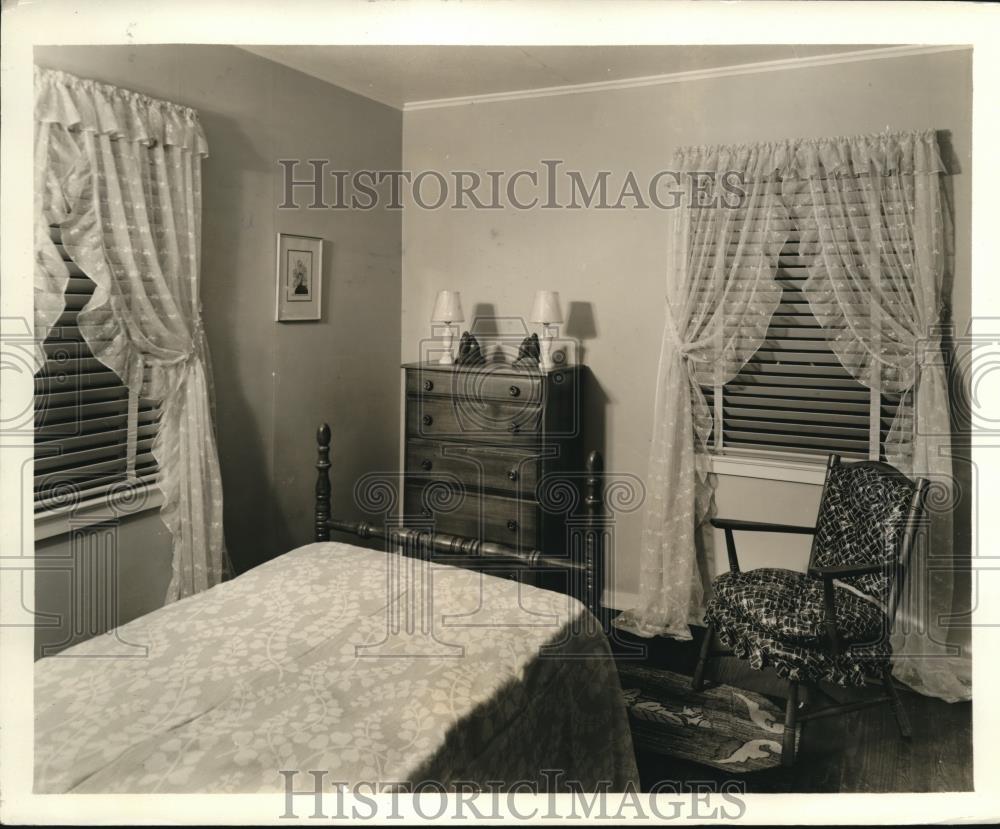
(299,278)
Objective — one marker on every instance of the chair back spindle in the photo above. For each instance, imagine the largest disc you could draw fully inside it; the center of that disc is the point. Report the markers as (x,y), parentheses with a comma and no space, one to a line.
(916,519)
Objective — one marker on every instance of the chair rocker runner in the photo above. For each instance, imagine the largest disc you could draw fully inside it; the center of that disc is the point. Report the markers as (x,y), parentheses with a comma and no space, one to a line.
(831,623)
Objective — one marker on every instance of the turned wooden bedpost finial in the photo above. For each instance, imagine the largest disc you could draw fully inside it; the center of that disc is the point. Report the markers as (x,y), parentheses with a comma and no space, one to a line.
(322,508)
(593,502)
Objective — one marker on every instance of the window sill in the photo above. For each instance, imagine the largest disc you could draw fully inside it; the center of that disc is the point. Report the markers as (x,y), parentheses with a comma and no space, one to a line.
(801,469)
(61,521)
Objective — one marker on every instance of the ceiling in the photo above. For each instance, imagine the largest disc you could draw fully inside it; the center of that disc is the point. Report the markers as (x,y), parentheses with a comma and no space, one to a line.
(399,75)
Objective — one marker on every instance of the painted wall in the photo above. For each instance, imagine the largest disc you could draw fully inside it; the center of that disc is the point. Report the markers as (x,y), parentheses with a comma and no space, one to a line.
(275,382)
(97,577)
(608,264)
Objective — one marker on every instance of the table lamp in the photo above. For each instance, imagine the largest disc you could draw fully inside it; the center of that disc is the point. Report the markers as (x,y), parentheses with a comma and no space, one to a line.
(547,312)
(448,309)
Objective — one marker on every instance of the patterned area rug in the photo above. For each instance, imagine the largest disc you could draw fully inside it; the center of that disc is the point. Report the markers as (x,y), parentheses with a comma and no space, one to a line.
(720,726)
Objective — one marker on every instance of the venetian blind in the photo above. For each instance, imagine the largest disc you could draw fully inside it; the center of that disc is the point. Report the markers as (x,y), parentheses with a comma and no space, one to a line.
(794,395)
(82,446)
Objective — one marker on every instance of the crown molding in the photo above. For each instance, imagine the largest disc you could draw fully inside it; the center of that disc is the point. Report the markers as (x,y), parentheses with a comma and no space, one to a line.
(691,75)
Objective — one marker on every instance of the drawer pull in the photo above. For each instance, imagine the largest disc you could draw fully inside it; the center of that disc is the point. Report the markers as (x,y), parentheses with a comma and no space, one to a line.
(427,464)
(515,391)
(512,526)
(427,420)
(515,428)
(512,474)
(428,385)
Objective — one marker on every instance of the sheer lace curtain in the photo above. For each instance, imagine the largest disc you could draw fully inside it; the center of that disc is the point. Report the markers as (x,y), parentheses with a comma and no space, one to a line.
(876,287)
(120,173)
(879,233)
(720,296)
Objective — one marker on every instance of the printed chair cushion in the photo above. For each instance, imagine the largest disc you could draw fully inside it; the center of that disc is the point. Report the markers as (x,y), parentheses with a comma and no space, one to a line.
(789,605)
(861,521)
(773,617)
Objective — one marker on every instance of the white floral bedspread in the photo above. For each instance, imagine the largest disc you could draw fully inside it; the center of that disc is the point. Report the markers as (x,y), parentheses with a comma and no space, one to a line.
(331,658)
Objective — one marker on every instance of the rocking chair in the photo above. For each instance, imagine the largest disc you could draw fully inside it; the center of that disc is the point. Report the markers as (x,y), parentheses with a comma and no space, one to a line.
(831,623)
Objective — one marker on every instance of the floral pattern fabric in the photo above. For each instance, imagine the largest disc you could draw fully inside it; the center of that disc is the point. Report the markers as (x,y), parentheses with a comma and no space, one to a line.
(720,294)
(332,657)
(120,174)
(882,306)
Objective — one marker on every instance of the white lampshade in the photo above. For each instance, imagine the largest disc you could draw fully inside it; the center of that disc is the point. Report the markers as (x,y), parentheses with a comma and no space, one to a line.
(546,308)
(448,307)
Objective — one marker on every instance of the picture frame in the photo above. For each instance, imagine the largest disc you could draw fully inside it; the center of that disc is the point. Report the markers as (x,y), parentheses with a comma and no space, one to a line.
(299,278)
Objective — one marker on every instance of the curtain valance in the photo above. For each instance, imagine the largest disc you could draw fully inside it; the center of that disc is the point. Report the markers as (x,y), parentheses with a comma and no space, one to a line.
(882,154)
(83,104)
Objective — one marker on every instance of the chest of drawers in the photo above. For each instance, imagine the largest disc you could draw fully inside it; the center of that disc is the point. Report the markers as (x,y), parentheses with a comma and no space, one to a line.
(490,451)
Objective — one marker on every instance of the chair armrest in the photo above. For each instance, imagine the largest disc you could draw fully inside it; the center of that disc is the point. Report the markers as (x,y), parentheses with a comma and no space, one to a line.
(729,525)
(849,570)
(759,526)
(829,574)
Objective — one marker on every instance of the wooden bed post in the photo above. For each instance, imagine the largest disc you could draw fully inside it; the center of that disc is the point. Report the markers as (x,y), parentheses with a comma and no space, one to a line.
(593,543)
(322,508)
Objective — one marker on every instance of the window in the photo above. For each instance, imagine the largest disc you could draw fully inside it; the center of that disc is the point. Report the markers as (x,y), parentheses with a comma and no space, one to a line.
(82,413)
(794,395)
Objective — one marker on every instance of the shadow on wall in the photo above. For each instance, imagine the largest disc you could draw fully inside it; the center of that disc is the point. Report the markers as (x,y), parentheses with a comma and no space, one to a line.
(233,327)
(581,327)
(958,352)
(484,327)
(957,349)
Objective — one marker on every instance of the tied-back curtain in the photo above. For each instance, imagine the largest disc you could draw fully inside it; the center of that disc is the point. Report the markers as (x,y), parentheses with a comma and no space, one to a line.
(720,295)
(120,173)
(874,221)
(876,287)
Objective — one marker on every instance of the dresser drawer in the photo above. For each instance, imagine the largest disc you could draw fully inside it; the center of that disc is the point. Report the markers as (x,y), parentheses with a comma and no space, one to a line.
(489,467)
(478,420)
(480,383)
(496,518)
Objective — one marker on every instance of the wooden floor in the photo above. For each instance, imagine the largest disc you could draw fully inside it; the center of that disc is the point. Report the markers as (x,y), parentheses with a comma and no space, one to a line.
(855,752)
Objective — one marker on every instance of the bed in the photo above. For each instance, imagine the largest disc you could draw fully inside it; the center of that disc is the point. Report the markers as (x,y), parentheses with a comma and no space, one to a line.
(382,667)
